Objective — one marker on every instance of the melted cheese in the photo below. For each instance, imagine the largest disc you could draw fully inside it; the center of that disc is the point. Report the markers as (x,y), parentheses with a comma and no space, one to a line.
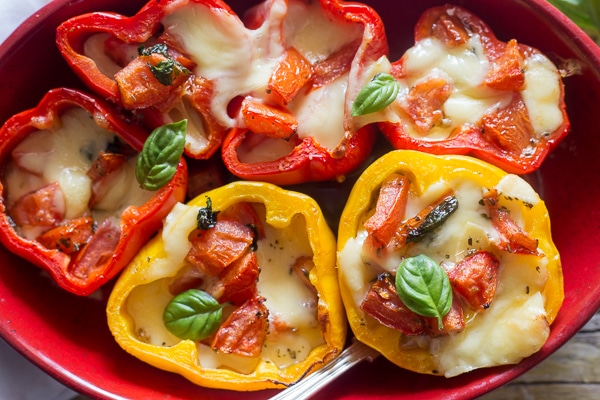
(465,68)
(321,113)
(240,61)
(289,301)
(311,32)
(74,146)
(93,48)
(542,94)
(514,326)
(64,154)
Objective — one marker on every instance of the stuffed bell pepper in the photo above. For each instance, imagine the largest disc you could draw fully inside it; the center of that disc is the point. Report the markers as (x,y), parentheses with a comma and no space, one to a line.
(447,263)
(460,90)
(280,80)
(70,203)
(239,291)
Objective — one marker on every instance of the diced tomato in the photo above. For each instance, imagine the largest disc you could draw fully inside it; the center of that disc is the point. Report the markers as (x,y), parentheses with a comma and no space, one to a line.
(506,72)
(383,303)
(513,238)
(510,127)
(98,250)
(268,120)
(102,173)
(237,282)
(453,322)
(43,207)
(138,86)
(289,76)
(475,279)
(215,248)
(424,103)
(70,236)
(244,332)
(389,209)
(334,66)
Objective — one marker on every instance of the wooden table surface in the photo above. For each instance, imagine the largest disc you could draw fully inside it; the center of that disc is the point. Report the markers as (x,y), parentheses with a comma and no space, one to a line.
(572,372)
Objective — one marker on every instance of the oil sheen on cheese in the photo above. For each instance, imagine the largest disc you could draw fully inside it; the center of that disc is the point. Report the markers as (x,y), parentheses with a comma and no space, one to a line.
(289,301)
(515,325)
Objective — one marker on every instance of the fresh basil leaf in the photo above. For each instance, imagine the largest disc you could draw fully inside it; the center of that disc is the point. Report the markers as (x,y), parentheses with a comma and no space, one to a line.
(193,314)
(159,48)
(424,287)
(158,161)
(207,218)
(380,92)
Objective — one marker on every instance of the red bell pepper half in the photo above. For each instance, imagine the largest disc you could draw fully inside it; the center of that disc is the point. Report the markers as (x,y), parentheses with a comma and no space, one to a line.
(520,89)
(69,200)
(136,63)
(302,131)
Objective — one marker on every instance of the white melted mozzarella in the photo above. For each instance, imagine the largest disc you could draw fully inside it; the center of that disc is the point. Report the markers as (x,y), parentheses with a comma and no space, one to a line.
(311,32)
(240,61)
(321,113)
(515,325)
(64,154)
(542,94)
(93,48)
(465,68)
(289,301)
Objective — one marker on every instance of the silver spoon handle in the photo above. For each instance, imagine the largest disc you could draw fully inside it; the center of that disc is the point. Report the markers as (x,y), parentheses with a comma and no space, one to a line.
(310,385)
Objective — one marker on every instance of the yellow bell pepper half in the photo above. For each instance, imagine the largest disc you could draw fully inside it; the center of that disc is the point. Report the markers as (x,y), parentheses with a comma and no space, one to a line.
(306,324)
(529,289)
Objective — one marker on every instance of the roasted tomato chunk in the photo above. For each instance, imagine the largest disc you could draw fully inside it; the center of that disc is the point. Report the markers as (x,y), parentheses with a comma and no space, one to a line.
(244,332)
(215,248)
(383,303)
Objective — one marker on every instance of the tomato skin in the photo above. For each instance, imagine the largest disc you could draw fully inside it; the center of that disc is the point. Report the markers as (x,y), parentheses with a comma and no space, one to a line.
(523,151)
(244,332)
(71,270)
(475,279)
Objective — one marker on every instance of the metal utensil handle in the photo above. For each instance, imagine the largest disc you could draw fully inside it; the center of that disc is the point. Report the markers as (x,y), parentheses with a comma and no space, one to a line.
(316,381)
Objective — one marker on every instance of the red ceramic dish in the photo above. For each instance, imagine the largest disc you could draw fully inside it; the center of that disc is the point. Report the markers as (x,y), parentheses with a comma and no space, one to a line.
(68,336)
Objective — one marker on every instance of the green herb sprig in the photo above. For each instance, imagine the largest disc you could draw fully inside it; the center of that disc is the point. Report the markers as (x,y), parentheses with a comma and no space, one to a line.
(207,218)
(165,71)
